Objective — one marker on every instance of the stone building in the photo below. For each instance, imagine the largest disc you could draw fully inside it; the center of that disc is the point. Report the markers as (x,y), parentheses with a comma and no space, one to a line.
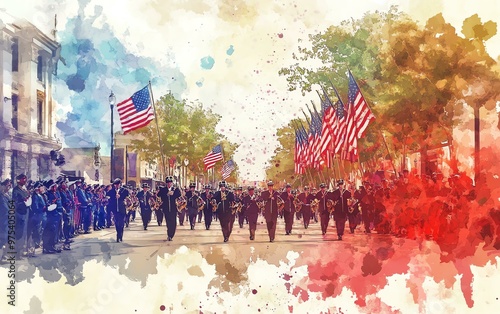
(28,60)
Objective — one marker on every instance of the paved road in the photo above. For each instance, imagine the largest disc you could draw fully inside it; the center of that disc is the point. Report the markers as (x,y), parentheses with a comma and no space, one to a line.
(142,247)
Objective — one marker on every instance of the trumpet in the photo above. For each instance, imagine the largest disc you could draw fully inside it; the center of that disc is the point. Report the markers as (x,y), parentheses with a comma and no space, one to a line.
(181,203)
(261,204)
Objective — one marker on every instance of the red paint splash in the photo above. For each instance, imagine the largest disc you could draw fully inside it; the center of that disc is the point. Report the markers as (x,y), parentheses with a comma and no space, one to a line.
(280,35)
(254,291)
(162,308)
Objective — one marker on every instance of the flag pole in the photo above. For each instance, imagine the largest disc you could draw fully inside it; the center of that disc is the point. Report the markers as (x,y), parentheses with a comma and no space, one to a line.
(158,130)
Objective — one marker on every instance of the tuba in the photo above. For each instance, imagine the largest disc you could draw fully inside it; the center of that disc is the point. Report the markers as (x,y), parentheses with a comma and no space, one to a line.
(298,204)
(181,203)
(236,207)
(330,204)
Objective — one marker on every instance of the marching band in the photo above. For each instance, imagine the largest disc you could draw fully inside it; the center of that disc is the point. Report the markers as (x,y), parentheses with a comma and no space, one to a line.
(54,212)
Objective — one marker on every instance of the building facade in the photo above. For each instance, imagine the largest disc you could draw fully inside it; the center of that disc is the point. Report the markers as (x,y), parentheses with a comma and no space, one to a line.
(27,125)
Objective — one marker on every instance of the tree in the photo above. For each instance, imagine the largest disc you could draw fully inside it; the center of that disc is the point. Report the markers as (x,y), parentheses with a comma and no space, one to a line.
(187,131)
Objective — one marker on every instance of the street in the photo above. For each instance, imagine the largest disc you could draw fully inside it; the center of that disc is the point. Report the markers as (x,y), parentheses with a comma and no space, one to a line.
(140,248)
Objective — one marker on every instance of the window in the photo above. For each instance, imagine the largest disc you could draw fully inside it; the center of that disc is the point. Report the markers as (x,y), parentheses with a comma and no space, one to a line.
(14,111)
(39,69)
(39,104)
(15,55)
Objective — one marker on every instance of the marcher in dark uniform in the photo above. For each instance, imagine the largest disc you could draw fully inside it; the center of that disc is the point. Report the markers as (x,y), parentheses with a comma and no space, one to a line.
(168,196)
(340,196)
(38,207)
(251,210)
(22,201)
(353,210)
(270,197)
(159,212)
(237,200)
(182,213)
(192,204)
(289,208)
(323,196)
(224,201)
(49,232)
(207,209)
(306,198)
(85,203)
(144,196)
(67,204)
(116,203)
(367,200)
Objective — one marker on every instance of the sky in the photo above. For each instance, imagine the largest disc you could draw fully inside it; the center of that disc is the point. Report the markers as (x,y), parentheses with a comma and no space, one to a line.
(225,54)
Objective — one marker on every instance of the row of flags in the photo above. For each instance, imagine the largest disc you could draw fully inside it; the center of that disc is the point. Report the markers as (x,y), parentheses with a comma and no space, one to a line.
(335,130)
(213,157)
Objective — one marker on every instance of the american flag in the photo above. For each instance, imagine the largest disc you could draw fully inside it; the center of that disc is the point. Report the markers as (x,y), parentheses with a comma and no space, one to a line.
(227,169)
(316,127)
(328,114)
(299,144)
(212,157)
(359,117)
(136,111)
(339,124)
(303,150)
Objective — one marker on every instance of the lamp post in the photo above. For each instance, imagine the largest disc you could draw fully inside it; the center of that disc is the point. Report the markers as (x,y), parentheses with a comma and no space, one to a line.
(112,100)
(186,163)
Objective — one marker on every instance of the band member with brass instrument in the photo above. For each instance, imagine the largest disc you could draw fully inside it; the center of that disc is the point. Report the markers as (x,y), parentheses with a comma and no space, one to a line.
(367,201)
(182,213)
(38,208)
(224,201)
(144,198)
(158,212)
(251,210)
(116,203)
(270,197)
(340,197)
(238,200)
(207,208)
(306,199)
(192,204)
(84,203)
(353,209)
(289,208)
(168,195)
(323,196)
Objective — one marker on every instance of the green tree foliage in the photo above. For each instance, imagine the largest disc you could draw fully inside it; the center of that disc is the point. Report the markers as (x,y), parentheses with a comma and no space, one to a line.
(187,132)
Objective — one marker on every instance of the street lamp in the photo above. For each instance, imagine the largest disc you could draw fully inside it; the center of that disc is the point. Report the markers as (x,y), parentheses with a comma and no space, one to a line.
(112,100)
(186,163)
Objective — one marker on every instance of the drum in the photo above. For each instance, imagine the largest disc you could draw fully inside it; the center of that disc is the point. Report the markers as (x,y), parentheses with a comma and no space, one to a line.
(28,201)
(51,207)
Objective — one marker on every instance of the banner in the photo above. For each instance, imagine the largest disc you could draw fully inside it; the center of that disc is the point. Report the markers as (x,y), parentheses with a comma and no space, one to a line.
(132,165)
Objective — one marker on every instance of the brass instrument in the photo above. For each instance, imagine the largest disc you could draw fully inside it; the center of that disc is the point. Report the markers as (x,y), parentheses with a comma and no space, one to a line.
(201,203)
(330,204)
(261,204)
(281,203)
(298,204)
(181,203)
(223,196)
(351,204)
(236,207)
(152,202)
(213,202)
(129,205)
(314,205)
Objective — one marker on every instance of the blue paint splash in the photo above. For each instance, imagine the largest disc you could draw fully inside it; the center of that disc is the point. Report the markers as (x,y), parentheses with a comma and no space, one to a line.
(230,51)
(207,63)
(200,83)
(97,62)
